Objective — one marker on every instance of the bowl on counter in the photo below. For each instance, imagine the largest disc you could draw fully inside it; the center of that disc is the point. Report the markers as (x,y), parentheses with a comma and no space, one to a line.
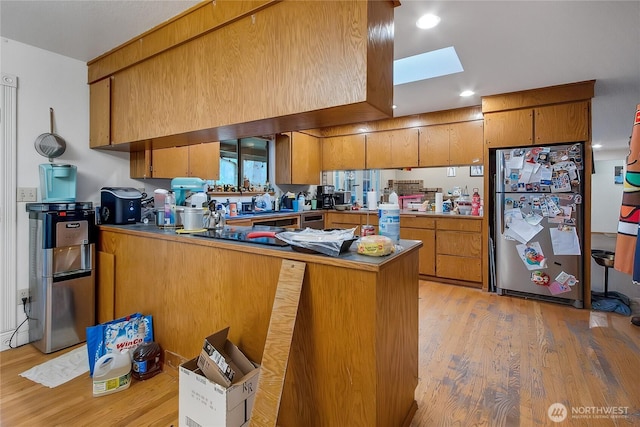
(342,207)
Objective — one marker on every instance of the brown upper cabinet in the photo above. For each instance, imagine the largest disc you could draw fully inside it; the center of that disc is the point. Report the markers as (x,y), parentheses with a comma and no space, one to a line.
(562,123)
(452,144)
(392,149)
(508,128)
(549,124)
(200,160)
(297,159)
(343,152)
(175,80)
(554,114)
(100,113)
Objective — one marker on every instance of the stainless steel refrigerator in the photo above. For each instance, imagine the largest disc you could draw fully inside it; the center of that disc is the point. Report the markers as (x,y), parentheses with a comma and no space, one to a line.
(538,222)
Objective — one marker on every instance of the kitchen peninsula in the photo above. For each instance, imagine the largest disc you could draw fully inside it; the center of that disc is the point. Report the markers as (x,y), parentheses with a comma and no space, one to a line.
(354,355)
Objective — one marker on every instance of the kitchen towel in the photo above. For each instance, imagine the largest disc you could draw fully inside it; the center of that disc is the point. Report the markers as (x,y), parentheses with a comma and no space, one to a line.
(63,368)
(439,202)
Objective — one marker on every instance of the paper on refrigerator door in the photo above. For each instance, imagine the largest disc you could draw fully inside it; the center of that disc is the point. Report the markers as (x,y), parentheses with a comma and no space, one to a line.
(522,231)
(565,240)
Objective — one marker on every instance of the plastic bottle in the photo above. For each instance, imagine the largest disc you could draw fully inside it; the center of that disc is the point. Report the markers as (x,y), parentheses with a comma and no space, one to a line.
(169,209)
(146,361)
(393,198)
(111,373)
(475,203)
(301,202)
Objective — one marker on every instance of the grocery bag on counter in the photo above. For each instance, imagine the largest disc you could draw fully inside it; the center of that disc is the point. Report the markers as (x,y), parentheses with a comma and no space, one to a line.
(116,335)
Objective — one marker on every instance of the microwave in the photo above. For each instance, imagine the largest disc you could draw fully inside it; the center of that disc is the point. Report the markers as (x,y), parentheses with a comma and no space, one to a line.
(342,197)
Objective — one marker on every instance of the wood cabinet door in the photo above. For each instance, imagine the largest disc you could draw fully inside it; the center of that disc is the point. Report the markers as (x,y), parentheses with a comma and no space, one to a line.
(170,162)
(392,149)
(305,159)
(508,128)
(140,164)
(427,253)
(379,150)
(434,145)
(343,152)
(204,160)
(459,243)
(459,268)
(100,113)
(466,145)
(562,123)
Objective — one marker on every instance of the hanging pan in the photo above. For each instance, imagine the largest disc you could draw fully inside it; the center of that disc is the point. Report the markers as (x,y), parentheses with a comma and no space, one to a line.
(49,144)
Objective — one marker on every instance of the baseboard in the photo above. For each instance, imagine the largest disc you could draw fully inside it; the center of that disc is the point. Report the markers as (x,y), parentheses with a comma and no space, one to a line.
(20,338)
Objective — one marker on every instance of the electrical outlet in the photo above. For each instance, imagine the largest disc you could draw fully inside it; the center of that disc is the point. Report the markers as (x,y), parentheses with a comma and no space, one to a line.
(27,194)
(23,293)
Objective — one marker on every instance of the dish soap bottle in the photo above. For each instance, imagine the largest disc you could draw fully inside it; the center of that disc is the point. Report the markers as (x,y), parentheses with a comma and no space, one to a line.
(300,202)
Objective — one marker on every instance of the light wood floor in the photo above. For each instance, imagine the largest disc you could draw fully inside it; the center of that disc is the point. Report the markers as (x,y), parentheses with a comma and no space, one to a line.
(485,360)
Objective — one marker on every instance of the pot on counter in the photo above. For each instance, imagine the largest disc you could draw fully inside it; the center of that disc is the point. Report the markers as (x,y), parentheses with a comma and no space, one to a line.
(193,218)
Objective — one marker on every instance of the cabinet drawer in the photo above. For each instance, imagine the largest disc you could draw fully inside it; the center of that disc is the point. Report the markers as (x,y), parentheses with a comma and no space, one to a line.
(371,219)
(459,243)
(344,218)
(459,224)
(417,222)
(461,268)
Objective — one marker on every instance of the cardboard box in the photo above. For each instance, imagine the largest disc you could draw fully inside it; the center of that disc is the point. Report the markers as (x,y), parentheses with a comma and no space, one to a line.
(210,403)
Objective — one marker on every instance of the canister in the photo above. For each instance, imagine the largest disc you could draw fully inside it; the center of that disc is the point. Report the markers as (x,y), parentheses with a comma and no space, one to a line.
(389,221)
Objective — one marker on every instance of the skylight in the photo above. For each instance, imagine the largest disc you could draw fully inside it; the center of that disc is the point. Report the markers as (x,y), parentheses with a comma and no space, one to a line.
(426,65)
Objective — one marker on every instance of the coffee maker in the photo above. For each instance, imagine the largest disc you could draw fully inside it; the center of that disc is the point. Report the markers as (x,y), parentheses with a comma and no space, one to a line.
(325,196)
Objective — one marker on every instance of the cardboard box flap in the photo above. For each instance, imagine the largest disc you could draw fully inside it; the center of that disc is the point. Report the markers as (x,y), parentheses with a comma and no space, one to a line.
(222,361)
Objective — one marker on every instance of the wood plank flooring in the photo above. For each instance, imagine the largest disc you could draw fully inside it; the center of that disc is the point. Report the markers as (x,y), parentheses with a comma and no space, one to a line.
(485,360)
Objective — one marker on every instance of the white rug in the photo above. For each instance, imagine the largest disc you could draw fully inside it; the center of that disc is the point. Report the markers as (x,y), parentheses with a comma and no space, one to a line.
(61,369)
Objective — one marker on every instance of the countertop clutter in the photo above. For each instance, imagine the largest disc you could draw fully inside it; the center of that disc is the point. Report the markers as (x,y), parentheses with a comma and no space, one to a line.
(239,244)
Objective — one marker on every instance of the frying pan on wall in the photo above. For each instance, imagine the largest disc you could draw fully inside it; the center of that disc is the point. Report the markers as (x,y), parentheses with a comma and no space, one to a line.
(49,144)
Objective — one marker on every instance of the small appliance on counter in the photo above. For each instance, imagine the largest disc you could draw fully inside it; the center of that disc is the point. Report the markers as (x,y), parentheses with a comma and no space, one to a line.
(325,196)
(120,205)
(342,197)
(183,186)
(58,183)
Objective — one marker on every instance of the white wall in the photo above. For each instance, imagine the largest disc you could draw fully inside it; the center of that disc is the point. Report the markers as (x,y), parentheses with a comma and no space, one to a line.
(48,80)
(606,197)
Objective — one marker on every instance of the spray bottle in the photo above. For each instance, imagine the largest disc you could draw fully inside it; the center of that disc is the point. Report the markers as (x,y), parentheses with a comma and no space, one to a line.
(475,203)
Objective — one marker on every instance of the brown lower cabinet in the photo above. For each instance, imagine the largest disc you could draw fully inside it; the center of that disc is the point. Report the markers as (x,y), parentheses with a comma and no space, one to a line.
(423,229)
(354,219)
(452,247)
(459,250)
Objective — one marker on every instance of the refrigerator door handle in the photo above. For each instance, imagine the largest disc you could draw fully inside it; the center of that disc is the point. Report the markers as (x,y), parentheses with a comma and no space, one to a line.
(500,213)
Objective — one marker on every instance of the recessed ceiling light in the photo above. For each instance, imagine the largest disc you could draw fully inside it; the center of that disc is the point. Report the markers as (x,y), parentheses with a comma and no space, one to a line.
(426,65)
(467,93)
(428,21)
(597,145)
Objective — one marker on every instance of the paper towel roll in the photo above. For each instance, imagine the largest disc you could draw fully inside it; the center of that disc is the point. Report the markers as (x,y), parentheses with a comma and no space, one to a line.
(372,200)
(439,202)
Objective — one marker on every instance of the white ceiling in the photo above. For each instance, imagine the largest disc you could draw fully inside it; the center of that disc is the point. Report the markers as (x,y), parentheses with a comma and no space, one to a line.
(504,46)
